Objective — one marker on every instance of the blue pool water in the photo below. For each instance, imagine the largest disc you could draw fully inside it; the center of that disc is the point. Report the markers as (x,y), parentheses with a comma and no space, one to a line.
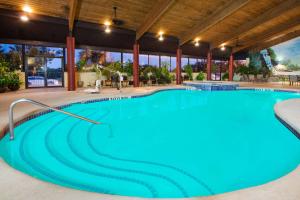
(174,143)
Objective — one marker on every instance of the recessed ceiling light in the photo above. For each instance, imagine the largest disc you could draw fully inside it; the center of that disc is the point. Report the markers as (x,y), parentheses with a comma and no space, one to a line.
(223,48)
(161,38)
(27,9)
(197,42)
(107,29)
(24,18)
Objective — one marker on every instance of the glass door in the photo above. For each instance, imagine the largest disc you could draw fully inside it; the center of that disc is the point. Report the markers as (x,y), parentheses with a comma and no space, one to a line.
(54,72)
(35,72)
(44,72)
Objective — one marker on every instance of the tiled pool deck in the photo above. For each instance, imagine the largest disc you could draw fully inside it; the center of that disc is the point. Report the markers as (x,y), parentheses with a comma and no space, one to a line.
(15,185)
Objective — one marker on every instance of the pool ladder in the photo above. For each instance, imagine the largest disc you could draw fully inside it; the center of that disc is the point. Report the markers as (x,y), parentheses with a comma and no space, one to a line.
(11,116)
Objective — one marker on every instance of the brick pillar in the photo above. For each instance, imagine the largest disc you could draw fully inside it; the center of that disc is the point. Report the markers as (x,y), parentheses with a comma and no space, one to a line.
(208,67)
(71,63)
(178,66)
(230,69)
(136,52)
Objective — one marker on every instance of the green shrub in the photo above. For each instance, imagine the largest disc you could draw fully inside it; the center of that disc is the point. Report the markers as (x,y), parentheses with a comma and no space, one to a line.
(8,79)
(4,68)
(189,71)
(225,76)
(3,84)
(160,75)
(80,65)
(13,81)
(3,75)
(128,68)
(166,76)
(200,76)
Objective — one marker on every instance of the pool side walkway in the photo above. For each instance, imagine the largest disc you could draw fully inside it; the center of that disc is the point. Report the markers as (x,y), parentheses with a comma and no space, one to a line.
(289,112)
(15,185)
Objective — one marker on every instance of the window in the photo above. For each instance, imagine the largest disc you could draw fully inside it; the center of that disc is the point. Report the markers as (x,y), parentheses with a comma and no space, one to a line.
(165,61)
(173,64)
(154,60)
(80,57)
(32,50)
(85,59)
(201,65)
(12,53)
(127,57)
(218,67)
(184,62)
(193,63)
(143,59)
(55,51)
(94,57)
(112,57)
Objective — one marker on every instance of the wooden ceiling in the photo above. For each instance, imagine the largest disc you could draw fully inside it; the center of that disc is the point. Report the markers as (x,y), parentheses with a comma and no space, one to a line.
(241,24)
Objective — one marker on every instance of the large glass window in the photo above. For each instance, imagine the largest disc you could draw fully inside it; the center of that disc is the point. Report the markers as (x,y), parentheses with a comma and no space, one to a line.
(143,59)
(12,53)
(218,67)
(32,50)
(94,57)
(154,60)
(184,62)
(55,51)
(201,65)
(113,57)
(127,57)
(165,61)
(173,64)
(193,63)
(80,58)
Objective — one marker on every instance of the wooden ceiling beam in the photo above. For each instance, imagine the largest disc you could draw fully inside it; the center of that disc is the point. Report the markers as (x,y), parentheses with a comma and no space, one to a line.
(218,15)
(275,41)
(263,18)
(155,13)
(73,9)
(270,33)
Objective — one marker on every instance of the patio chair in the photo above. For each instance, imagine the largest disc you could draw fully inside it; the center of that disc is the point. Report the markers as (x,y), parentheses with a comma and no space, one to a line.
(97,88)
(293,79)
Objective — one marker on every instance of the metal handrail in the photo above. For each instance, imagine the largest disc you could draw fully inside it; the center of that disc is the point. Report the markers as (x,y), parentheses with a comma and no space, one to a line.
(11,116)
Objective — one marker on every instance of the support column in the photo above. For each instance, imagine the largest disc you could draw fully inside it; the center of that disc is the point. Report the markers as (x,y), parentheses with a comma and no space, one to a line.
(71,63)
(230,69)
(178,66)
(136,52)
(208,67)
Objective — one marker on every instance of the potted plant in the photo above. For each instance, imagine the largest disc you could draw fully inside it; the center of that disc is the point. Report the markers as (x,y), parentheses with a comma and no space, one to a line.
(80,68)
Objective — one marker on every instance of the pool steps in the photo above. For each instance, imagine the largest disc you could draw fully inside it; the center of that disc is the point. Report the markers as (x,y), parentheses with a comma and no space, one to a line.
(52,175)
(13,104)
